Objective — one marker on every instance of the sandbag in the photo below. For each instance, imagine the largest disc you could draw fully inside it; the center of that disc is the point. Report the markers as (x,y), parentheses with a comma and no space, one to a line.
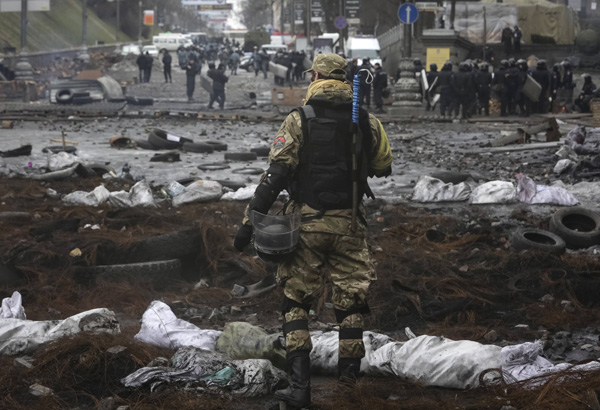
(12,307)
(531,193)
(430,189)
(160,327)
(493,192)
(19,336)
(139,195)
(199,191)
(241,340)
(242,194)
(94,198)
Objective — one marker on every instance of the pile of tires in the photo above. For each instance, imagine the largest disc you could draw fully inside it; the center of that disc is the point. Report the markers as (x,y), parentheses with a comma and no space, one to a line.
(579,227)
(572,228)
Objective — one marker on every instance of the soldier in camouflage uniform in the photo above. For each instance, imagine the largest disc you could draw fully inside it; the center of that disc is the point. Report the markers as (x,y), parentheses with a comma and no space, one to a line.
(311,158)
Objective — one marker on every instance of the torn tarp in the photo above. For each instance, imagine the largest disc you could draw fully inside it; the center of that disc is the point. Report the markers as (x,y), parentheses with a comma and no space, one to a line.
(160,327)
(198,368)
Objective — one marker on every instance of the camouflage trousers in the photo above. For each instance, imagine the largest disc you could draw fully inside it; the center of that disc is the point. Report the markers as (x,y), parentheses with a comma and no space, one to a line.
(343,260)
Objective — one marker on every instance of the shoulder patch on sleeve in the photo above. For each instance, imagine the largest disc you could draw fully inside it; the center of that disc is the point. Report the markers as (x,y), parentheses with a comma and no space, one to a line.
(279,142)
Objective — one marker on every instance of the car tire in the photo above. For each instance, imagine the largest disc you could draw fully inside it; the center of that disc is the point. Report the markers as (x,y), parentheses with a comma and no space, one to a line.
(248,171)
(537,239)
(261,151)
(164,269)
(64,96)
(197,147)
(145,144)
(241,156)
(159,138)
(217,145)
(214,166)
(578,227)
(81,100)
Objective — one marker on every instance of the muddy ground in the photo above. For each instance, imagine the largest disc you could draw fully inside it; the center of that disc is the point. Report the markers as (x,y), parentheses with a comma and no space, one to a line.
(443,269)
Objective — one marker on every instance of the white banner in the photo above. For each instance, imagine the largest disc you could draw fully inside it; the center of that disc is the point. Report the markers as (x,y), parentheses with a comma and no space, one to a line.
(32,5)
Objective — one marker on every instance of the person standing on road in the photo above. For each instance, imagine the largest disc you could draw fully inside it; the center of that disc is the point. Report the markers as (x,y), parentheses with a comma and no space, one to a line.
(507,37)
(219,79)
(311,158)
(256,61)
(483,82)
(234,61)
(366,78)
(191,70)
(380,82)
(182,57)
(148,67)
(567,82)
(166,60)
(446,84)
(141,63)
(264,61)
(542,76)
(518,35)
(432,75)
(555,85)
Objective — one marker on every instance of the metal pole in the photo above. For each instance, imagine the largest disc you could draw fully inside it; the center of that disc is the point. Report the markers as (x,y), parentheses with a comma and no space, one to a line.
(23,25)
(140,21)
(84,22)
(484,33)
(341,40)
(118,19)
(308,15)
(281,20)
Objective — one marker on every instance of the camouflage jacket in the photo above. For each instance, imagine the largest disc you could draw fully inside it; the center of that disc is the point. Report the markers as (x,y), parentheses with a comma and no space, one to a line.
(286,147)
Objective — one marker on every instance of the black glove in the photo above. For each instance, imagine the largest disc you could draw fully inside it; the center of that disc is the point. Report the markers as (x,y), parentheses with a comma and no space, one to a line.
(242,237)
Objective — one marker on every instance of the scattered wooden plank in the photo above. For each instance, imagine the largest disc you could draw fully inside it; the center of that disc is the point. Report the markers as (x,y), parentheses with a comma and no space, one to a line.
(515,148)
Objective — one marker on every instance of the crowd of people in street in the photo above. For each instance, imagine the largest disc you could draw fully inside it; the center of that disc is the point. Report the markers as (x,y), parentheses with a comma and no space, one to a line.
(468,91)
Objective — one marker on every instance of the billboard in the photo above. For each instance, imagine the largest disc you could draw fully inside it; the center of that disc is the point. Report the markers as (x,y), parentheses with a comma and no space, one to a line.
(148,17)
(32,5)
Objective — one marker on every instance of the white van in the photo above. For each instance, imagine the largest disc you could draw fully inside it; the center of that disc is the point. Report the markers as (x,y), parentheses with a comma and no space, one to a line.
(170,41)
(361,47)
(272,49)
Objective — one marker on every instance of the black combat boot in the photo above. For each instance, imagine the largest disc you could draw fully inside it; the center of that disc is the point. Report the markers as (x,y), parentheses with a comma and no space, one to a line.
(297,394)
(348,370)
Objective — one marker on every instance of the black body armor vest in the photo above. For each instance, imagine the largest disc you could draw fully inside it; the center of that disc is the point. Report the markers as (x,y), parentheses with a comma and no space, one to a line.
(324,177)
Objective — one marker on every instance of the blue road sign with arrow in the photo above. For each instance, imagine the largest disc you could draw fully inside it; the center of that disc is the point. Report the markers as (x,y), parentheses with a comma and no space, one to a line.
(408,13)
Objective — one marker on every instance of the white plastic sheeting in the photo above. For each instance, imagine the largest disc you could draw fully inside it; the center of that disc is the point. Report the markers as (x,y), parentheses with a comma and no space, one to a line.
(242,194)
(12,307)
(523,362)
(494,192)
(139,195)
(430,189)
(468,20)
(199,368)
(161,327)
(563,165)
(428,360)
(18,336)
(62,160)
(531,193)
(199,191)
(93,198)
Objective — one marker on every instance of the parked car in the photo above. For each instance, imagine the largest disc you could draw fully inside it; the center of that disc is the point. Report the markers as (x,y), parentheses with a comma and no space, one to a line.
(130,49)
(152,50)
(247,63)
